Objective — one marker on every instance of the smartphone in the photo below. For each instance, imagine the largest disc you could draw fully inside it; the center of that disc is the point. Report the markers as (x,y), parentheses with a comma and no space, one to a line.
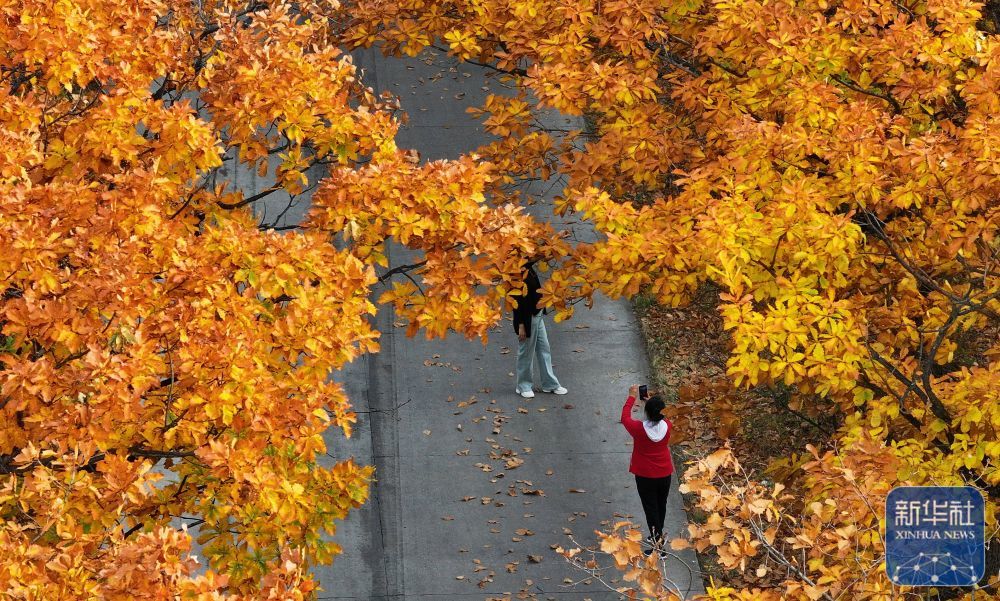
(643,391)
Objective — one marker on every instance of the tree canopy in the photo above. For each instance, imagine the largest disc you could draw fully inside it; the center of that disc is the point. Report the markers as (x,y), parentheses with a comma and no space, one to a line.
(831,165)
(165,354)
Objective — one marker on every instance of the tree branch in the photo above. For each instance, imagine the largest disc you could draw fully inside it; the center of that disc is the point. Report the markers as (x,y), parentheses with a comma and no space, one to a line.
(847,83)
(8,467)
(400,269)
(250,199)
(920,275)
(515,71)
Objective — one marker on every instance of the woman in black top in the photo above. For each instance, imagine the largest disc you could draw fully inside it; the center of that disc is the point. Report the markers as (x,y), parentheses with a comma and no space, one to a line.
(533,340)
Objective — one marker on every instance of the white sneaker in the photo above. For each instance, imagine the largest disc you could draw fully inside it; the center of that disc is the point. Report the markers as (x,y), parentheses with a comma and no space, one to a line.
(559,390)
(528,394)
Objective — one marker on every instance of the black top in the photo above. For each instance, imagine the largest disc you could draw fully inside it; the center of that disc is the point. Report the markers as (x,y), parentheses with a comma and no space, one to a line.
(527,305)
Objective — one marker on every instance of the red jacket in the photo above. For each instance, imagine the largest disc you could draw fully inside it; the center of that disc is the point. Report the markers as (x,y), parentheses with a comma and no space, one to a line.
(649,459)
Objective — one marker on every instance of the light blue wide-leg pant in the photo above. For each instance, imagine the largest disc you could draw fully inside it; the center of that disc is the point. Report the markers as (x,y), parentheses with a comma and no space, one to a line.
(536,347)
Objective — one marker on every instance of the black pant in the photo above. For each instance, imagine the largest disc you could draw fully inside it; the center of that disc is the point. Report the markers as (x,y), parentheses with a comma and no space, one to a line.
(653,494)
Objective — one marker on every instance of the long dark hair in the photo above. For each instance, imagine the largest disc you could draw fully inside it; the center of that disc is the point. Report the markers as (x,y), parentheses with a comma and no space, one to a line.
(654,408)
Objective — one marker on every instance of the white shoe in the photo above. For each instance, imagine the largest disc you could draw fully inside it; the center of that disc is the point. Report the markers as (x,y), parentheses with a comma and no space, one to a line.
(559,390)
(528,394)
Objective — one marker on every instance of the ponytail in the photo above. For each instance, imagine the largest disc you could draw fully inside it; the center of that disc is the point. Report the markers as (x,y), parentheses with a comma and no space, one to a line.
(654,408)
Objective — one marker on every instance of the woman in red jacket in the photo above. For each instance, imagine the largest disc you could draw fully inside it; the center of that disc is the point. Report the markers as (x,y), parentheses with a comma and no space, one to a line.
(651,462)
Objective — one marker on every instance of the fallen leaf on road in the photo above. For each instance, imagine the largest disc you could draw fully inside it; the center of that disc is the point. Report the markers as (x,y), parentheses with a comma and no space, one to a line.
(427,432)
(448,518)
(535,558)
(524,532)
(577,490)
(511,567)
(567,406)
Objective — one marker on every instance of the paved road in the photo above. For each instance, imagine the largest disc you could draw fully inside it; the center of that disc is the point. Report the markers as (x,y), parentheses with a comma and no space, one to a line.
(436,415)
